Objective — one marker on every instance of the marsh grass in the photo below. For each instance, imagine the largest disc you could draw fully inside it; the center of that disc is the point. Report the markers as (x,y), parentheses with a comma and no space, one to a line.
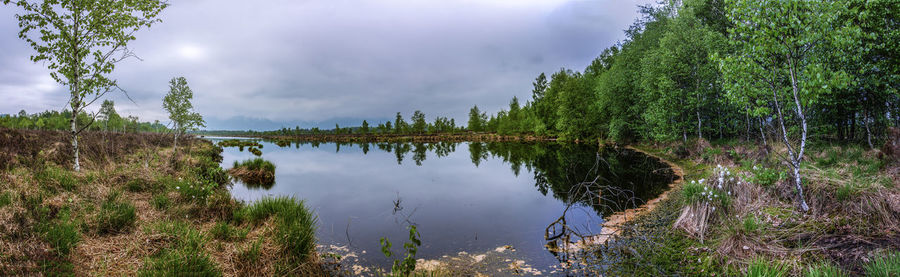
(53,178)
(5,199)
(887,265)
(760,267)
(115,216)
(295,224)
(184,255)
(160,202)
(255,171)
(824,270)
(224,231)
(62,234)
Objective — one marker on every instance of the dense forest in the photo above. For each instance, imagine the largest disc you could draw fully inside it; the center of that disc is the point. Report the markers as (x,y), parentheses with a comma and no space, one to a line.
(704,68)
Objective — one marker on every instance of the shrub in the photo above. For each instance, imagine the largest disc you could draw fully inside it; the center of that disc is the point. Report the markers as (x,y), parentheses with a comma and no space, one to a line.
(763,268)
(766,177)
(824,270)
(160,202)
(115,216)
(887,265)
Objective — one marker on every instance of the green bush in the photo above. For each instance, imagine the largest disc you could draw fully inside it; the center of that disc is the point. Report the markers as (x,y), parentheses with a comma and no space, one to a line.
(763,268)
(824,270)
(884,266)
(115,216)
(160,202)
(766,177)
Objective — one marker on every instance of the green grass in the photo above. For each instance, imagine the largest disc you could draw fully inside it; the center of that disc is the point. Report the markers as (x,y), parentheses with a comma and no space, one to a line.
(5,199)
(256,164)
(762,268)
(296,225)
(183,257)
(766,177)
(115,216)
(226,232)
(63,235)
(824,270)
(751,224)
(251,253)
(160,202)
(52,178)
(884,266)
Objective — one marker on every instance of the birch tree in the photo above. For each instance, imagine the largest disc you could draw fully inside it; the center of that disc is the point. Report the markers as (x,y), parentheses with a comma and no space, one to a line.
(81,42)
(178,103)
(780,45)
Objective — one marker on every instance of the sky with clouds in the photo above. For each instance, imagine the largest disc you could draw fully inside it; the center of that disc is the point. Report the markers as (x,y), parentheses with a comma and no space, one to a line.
(267,64)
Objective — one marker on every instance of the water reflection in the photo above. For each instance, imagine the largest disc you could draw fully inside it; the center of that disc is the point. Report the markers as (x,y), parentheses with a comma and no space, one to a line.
(462,207)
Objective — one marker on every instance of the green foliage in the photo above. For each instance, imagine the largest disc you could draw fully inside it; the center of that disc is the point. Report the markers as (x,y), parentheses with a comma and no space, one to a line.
(115,216)
(763,268)
(406,265)
(766,177)
(178,103)
(885,265)
(698,192)
(751,224)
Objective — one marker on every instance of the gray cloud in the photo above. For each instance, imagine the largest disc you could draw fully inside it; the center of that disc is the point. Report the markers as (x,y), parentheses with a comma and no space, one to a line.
(321,62)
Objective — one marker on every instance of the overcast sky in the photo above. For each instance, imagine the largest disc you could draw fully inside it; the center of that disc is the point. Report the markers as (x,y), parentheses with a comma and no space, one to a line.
(264,64)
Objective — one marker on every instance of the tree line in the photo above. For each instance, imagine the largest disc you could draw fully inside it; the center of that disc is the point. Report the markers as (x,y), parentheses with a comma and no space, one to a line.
(106,119)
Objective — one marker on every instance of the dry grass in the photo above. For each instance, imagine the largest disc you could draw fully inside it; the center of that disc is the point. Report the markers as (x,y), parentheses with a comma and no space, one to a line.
(108,167)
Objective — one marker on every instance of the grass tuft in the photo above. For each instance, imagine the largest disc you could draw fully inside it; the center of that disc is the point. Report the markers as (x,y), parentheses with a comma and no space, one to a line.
(62,235)
(884,266)
(160,202)
(296,225)
(115,216)
(824,270)
(184,257)
(223,231)
(762,268)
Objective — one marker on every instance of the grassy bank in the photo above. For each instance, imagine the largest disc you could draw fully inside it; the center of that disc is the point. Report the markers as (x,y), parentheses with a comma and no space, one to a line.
(136,210)
(255,171)
(735,214)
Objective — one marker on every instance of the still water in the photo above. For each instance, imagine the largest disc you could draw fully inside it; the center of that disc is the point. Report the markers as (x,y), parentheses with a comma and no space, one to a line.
(471,197)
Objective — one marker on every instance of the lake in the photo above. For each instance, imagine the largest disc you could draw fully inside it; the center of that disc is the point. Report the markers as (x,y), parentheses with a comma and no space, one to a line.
(472,197)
